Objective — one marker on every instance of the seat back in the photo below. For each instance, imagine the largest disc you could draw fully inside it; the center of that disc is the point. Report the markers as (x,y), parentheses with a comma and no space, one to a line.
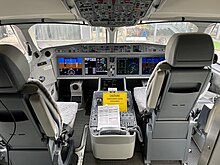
(177,82)
(28,115)
(181,92)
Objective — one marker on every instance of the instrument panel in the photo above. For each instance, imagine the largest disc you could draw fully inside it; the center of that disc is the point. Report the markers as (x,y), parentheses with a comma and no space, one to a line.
(107,60)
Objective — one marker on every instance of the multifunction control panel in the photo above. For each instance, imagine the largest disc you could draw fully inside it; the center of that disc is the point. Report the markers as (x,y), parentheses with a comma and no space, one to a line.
(113,12)
(111,48)
(127,119)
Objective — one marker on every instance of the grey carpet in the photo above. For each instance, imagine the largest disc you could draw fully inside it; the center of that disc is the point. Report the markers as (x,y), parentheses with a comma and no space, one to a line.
(82,119)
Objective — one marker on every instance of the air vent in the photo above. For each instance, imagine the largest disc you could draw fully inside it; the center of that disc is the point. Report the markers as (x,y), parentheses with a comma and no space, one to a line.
(47,54)
(75,87)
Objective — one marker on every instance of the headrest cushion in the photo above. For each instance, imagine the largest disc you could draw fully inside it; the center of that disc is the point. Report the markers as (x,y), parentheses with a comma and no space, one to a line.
(189,50)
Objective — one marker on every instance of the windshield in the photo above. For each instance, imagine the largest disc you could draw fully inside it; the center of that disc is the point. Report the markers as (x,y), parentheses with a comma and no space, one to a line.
(48,35)
(158,33)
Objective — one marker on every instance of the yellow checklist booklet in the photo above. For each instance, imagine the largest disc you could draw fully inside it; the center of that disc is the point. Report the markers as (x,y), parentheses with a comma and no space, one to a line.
(116,98)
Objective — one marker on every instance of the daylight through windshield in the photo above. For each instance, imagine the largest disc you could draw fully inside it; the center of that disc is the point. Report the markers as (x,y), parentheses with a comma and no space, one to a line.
(47,35)
(158,33)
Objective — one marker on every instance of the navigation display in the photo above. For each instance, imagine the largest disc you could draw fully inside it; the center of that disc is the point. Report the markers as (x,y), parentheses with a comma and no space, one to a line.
(70,66)
(149,63)
(95,66)
(127,66)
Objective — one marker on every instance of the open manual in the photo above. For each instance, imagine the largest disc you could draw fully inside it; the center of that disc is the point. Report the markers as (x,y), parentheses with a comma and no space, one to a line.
(108,117)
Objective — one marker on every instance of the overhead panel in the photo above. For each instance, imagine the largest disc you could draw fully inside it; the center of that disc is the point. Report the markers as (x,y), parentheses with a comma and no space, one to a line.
(113,13)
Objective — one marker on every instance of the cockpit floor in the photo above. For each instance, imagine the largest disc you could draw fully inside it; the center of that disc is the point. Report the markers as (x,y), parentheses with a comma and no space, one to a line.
(82,119)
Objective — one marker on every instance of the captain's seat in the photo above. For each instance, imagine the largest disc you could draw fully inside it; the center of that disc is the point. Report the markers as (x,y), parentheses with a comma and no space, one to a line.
(33,128)
(171,93)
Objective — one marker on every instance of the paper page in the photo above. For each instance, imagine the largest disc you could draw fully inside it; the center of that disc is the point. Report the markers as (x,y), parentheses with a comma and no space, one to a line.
(108,116)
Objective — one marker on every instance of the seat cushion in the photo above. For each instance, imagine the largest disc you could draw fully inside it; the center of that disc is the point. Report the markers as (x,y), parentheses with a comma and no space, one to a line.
(68,112)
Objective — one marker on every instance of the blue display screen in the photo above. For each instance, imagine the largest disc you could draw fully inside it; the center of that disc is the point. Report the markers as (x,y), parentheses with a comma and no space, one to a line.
(149,63)
(69,60)
(70,66)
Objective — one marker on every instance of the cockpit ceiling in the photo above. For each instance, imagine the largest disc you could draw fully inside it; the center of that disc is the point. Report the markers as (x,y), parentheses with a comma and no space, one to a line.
(57,10)
(32,9)
(206,10)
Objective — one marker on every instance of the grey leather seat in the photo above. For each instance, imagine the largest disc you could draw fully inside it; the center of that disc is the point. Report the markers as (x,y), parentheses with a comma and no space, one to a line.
(171,93)
(32,126)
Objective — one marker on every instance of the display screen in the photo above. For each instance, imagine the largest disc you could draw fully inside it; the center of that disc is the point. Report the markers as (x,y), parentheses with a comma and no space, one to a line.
(95,66)
(70,66)
(149,63)
(127,66)
(112,83)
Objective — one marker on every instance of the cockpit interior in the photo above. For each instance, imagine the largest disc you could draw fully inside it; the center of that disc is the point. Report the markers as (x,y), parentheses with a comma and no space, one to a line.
(94,82)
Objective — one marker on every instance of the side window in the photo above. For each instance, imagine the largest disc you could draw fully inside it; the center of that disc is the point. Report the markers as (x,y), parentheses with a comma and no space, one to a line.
(214,31)
(7,36)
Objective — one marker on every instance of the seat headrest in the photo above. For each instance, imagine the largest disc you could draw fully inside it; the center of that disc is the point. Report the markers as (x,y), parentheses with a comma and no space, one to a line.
(190,50)
(14,69)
